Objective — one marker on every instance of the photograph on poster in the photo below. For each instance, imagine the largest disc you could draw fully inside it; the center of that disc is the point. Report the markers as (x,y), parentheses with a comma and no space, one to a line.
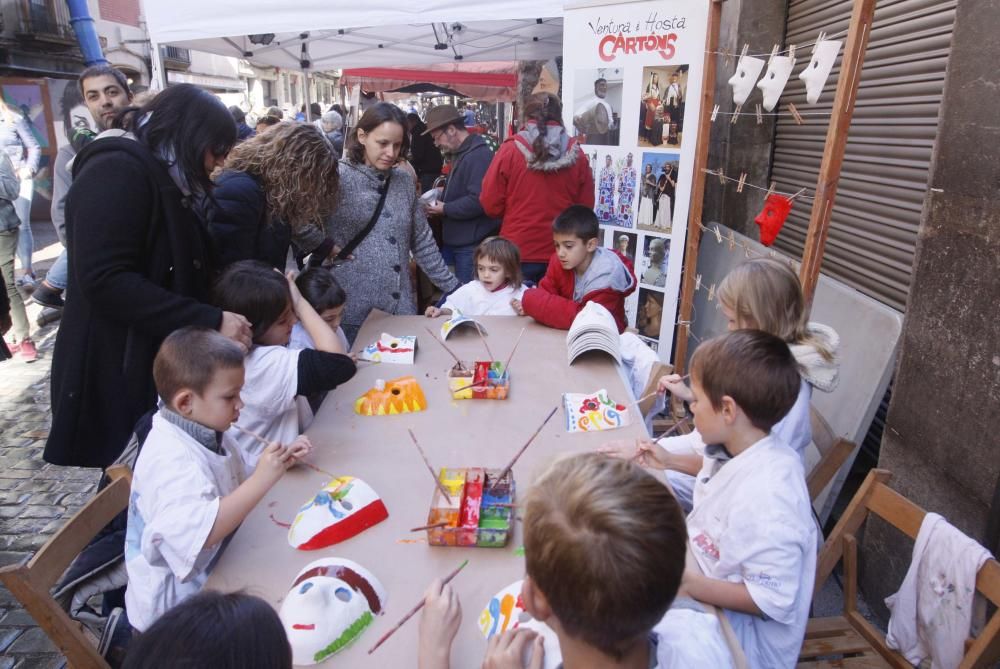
(649,313)
(652,267)
(597,106)
(661,108)
(658,188)
(616,189)
(623,242)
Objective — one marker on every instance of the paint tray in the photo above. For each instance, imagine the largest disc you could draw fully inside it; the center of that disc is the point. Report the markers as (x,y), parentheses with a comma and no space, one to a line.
(484,381)
(481,512)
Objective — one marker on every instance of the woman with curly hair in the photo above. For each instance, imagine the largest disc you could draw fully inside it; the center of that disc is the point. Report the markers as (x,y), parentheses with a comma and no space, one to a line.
(276,188)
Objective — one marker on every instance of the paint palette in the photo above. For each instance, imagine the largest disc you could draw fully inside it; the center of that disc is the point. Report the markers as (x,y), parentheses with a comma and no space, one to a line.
(480,512)
(485,381)
(394,350)
(593,412)
(506,611)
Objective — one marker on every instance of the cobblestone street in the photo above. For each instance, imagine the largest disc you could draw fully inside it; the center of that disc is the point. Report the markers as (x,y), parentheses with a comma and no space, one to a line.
(35,497)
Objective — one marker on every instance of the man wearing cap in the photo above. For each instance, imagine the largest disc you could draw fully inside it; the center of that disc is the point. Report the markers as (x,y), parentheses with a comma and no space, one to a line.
(464,222)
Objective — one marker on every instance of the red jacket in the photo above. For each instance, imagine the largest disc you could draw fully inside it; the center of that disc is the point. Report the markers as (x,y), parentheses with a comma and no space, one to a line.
(528,199)
(552,302)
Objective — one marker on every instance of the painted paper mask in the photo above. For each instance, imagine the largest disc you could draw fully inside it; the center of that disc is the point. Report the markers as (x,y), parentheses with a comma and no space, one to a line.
(593,412)
(823,57)
(456,320)
(772,217)
(330,604)
(747,70)
(396,350)
(773,82)
(402,395)
(344,507)
(506,611)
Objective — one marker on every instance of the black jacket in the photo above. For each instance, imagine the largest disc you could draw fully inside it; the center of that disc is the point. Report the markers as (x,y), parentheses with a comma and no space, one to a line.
(140,268)
(240,226)
(465,223)
(427,157)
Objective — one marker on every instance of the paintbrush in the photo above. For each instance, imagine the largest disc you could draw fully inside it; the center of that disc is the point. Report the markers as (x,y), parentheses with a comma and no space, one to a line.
(676,427)
(461,365)
(413,611)
(429,468)
(510,465)
(483,337)
(511,356)
(443,523)
(656,392)
(267,443)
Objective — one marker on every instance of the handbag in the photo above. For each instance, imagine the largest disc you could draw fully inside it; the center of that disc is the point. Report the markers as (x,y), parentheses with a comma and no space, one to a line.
(348,249)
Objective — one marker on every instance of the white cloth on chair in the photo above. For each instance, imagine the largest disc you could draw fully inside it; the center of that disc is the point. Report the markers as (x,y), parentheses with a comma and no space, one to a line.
(932,611)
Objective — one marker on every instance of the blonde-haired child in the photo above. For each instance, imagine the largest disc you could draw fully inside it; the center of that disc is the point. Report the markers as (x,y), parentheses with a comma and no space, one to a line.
(761,294)
(498,281)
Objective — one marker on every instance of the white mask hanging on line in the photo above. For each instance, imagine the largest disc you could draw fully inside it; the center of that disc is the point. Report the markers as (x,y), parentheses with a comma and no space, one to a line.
(779,68)
(816,72)
(747,70)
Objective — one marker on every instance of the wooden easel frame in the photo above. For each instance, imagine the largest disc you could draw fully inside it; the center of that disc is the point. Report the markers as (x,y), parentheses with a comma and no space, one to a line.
(858,32)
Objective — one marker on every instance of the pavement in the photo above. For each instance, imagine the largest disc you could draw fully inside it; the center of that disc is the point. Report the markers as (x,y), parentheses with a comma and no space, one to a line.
(37,498)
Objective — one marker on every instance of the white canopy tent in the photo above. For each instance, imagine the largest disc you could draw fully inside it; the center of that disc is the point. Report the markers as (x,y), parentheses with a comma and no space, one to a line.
(372,33)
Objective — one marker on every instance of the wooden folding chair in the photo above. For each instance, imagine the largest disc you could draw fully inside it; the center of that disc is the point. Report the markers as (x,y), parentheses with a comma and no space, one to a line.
(849,640)
(833,451)
(31,582)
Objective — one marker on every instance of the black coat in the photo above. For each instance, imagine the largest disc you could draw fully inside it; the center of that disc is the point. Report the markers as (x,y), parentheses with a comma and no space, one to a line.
(465,222)
(239,224)
(140,267)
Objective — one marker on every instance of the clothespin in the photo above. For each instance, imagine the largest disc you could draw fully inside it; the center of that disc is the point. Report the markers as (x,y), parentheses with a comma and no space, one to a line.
(743,180)
(770,190)
(718,234)
(736,114)
(797,193)
(822,36)
(728,55)
(795,113)
(746,47)
(760,114)
(791,51)
(715,113)
(722,176)
(697,282)
(772,253)
(711,292)
(774,52)
(732,240)
(746,250)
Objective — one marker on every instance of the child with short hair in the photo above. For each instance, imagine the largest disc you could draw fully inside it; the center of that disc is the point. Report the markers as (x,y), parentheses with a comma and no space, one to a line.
(604,545)
(191,489)
(751,529)
(275,374)
(579,271)
(214,630)
(321,290)
(498,282)
(761,294)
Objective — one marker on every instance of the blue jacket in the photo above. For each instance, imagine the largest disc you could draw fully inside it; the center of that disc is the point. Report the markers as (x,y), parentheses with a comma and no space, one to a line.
(240,226)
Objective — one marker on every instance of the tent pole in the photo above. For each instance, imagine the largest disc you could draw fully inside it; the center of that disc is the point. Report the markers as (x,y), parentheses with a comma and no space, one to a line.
(308,95)
(158,75)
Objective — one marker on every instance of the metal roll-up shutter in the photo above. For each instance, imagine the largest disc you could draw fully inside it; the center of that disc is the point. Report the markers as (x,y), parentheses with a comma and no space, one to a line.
(873,231)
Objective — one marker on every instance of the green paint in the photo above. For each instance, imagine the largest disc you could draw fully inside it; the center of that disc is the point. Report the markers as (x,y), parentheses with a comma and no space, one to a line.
(519,551)
(345,639)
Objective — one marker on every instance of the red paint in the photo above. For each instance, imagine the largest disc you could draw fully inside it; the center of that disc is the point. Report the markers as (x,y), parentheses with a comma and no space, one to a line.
(389,349)
(298,626)
(352,578)
(357,522)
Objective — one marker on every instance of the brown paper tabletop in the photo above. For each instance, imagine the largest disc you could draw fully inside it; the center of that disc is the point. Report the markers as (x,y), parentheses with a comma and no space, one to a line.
(453,433)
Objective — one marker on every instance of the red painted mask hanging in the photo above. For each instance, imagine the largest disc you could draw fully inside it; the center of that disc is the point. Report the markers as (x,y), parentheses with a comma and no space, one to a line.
(772,217)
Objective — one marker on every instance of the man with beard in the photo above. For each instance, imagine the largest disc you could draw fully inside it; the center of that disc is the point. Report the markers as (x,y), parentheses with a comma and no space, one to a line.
(106,92)
(597,119)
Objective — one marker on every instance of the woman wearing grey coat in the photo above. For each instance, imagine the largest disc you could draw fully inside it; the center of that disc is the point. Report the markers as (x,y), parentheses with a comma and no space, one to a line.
(377,275)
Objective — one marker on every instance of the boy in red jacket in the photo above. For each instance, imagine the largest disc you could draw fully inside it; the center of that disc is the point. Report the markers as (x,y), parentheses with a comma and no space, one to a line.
(580,271)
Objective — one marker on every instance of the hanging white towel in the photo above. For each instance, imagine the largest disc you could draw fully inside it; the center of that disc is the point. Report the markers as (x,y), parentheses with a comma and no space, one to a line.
(932,611)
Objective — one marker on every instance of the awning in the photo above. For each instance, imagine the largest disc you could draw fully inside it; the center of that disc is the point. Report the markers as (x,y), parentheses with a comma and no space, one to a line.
(489,81)
(375,33)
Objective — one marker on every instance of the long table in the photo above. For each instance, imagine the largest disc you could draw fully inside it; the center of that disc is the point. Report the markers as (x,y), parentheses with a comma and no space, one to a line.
(454,433)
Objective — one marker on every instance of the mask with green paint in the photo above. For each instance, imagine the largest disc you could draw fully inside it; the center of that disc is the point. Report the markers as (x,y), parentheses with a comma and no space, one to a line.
(331,603)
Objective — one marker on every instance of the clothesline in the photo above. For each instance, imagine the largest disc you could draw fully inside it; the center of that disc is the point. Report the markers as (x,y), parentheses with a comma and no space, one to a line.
(730,54)
(719,174)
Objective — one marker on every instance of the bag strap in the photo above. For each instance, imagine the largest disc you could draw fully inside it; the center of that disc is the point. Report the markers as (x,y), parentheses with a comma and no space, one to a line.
(360,237)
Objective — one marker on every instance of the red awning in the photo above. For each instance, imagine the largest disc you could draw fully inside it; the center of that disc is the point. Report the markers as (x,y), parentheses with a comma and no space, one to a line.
(481,81)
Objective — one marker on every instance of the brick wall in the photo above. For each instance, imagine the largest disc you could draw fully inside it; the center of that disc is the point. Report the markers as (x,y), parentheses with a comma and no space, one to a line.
(120,11)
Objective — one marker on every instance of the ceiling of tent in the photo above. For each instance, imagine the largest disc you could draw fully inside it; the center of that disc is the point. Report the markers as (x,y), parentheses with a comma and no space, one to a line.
(375,33)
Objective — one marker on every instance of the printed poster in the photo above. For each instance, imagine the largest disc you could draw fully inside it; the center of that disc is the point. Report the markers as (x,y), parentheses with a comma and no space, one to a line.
(632,79)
